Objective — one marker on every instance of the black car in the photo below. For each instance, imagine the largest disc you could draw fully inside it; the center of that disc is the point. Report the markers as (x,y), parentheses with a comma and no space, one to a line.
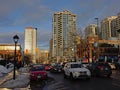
(56,68)
(100,69)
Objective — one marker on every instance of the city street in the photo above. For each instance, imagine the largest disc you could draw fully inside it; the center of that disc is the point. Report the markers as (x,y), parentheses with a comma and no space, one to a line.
(59,44)
(96,83)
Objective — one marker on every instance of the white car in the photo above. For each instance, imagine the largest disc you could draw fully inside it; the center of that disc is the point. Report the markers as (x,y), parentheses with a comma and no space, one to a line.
(76,70)
(112,66)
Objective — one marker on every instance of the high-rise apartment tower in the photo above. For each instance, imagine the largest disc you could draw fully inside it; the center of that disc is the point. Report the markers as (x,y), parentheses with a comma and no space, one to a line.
(107,27)
(30,42)
(91,30)
(63,34)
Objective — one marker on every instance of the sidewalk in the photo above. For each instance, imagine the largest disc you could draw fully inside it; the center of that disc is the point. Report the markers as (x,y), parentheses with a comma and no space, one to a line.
(9,78)
(6,78)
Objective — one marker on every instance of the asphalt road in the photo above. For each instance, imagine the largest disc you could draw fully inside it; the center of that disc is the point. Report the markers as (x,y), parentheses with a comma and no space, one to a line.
(57,82)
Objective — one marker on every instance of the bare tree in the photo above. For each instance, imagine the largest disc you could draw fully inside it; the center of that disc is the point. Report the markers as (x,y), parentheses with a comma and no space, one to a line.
(81,33)
(27,59)
(82,43)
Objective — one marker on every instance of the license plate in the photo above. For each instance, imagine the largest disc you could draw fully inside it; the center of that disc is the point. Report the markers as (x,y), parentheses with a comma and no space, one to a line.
(39,76)
(82,73)
(59,70)
(106,68)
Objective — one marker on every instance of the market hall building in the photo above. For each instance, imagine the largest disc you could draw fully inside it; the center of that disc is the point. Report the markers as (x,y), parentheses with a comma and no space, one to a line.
(7,52)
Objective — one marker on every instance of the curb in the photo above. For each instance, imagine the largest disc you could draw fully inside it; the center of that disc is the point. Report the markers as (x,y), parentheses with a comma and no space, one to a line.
(6,78)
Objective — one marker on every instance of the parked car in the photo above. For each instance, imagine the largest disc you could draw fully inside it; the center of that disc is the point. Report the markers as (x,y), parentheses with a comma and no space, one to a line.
(47,67)
(85,64)
(100,69)
(112,65)
(117,65)
(37,72)
(76,70)
(56,68)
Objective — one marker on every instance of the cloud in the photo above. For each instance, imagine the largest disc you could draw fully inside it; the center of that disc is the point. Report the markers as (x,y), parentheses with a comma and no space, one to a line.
(20,12)
(15,15)
(7,38)
(87,10)
(42,38)
(42,35)
(26,12)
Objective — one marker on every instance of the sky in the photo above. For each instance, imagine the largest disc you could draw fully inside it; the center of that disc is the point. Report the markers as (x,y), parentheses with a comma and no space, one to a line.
(15,15)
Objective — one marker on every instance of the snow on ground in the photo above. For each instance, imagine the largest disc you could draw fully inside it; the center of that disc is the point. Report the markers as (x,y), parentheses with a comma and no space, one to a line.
(24,70)
(3,70)
(21,80)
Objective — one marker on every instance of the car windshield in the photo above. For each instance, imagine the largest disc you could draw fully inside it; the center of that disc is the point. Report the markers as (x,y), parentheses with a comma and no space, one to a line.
(76,65)
(40,68)
(103,64)
(57,65)
(47,64)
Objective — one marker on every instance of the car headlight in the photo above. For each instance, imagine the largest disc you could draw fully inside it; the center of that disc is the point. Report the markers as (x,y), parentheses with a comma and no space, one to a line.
(76,73)
(88,73)
(32,74)
(55,69)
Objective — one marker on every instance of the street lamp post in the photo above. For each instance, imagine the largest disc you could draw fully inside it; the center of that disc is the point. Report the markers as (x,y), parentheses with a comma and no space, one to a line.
(97,26)
(118,44)
(88,53)
(95,51)
(15,38)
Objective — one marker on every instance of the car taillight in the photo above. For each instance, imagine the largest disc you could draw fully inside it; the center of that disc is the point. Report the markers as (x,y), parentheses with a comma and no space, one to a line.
(44,73)
(100,67)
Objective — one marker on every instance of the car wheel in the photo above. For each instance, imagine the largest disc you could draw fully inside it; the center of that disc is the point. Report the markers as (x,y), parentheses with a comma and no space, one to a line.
(97,73)
(88,78)
(108,75)
(31,81)
(43,83)
(94,74)
(71,76)
(65,76)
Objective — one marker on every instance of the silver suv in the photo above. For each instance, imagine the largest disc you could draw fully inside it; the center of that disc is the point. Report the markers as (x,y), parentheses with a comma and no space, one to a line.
(76,70)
